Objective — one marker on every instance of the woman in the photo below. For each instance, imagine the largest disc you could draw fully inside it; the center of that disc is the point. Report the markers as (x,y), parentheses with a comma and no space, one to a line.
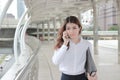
(70,51)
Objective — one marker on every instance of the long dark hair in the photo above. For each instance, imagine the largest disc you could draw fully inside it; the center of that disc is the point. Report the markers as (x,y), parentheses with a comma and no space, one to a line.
(70,19)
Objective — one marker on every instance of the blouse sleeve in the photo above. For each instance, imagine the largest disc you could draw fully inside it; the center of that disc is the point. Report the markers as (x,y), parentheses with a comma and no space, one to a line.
(59,55)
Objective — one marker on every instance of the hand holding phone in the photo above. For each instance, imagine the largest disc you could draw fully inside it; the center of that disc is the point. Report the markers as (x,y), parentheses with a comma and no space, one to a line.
(66,38)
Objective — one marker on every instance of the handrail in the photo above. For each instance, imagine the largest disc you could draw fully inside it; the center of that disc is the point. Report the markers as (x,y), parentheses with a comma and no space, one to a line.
(21,73)
(101,33)
(18,72)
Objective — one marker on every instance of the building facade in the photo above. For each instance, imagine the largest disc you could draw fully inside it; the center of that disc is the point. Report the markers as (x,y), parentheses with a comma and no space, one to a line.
(107,15)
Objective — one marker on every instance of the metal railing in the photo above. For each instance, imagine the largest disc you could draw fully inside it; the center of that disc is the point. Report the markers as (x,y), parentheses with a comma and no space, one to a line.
(31,68)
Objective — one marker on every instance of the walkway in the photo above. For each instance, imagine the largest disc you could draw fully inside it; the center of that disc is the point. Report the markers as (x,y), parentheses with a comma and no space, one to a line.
(106,63)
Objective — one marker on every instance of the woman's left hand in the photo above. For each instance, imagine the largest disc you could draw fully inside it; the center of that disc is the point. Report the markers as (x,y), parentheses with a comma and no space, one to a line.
(92,78)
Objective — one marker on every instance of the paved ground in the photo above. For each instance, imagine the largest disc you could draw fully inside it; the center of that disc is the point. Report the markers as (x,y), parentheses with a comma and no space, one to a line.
(106,61)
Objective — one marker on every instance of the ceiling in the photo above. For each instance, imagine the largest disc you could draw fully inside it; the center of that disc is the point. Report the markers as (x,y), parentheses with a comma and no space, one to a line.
(41,10)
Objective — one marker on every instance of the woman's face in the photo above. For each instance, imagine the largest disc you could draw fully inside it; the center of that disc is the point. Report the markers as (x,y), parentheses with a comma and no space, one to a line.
(73,30)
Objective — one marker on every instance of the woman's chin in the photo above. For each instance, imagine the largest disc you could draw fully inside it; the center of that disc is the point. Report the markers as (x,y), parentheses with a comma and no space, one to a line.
(72,37)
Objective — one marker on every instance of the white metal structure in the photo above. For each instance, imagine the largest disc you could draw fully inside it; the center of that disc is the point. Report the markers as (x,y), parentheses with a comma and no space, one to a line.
(5,10)
(25,49)
(17,34)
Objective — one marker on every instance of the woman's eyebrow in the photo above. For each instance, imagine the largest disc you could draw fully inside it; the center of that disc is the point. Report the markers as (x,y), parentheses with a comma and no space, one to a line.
(67,26)
(75,26)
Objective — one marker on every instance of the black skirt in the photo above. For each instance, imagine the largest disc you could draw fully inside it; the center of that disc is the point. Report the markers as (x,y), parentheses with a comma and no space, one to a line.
(74,77)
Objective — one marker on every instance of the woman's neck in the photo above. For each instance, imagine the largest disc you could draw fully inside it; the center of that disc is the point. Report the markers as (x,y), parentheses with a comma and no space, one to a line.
(76,40)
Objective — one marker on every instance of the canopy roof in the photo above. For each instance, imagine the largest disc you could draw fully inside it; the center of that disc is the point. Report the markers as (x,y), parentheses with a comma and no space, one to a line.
(41,10)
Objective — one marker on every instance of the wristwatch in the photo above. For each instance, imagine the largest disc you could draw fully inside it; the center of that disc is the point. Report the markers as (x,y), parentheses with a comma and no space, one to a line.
(93,74)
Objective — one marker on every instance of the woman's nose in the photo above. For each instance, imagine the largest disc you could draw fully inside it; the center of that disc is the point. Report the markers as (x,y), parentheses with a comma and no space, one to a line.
(71,31)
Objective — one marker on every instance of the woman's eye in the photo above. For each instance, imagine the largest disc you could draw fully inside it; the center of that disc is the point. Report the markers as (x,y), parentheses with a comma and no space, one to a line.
(74,28)
(68,29)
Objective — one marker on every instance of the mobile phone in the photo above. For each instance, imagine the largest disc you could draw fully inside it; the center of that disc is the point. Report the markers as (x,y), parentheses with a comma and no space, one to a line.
(68,36)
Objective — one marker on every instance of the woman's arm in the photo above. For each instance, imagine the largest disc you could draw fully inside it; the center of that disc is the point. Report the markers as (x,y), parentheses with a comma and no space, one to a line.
(59,55)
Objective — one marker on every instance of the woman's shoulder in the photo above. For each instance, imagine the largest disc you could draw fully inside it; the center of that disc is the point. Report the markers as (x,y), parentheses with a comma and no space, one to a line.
(87,42)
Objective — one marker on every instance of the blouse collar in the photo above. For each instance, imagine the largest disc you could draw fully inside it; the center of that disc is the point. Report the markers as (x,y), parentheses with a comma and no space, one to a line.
(72,43)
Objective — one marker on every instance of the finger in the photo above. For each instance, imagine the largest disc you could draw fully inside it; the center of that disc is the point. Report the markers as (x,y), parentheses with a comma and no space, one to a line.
(95,78)
(64,32)
(64,35)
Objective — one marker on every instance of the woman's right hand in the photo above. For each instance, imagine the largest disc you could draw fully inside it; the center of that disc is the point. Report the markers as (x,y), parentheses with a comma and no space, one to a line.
(91,78)
(65,38)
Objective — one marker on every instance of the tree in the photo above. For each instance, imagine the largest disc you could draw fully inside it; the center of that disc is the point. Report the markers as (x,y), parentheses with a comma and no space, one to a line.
(113,28)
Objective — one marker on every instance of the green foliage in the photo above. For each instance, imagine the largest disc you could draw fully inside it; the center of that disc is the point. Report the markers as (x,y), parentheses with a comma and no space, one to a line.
(2,58)
(113,28)
(91,29)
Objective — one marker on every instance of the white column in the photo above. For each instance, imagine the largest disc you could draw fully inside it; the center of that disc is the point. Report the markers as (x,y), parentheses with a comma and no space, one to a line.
(43,30)
(79,16)
(95,29)
(48,22)
(54,24)
(61,21)
(37,26)
(118,18)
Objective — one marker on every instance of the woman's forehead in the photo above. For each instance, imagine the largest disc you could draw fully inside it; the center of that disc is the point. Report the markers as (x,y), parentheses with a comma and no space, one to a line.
(71,25)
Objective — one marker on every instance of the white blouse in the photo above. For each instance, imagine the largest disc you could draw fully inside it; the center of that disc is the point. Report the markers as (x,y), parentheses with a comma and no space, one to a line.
(72,61)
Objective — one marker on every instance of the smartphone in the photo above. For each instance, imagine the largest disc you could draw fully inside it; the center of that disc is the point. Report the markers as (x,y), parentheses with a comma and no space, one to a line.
(68,36)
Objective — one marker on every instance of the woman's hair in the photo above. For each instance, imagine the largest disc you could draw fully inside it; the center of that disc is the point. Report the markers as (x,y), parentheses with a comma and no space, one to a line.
(70,19)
